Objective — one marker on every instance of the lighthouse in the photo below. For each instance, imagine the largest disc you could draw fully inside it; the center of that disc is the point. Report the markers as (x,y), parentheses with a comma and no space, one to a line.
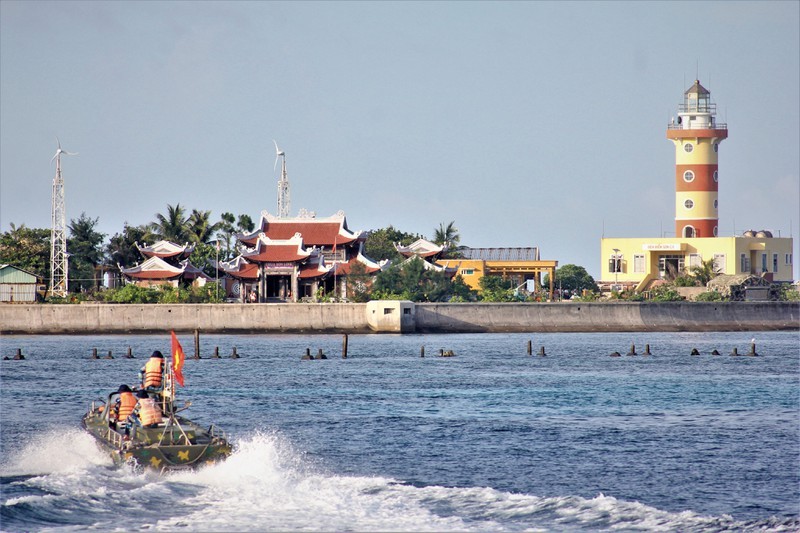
(696,135)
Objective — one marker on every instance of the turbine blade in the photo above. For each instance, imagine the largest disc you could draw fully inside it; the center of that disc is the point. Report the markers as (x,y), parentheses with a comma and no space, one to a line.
(275,166)
(58,143)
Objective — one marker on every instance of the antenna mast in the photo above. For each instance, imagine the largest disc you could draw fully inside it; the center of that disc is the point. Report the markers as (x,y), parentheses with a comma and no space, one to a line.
(59,266)
(284,199)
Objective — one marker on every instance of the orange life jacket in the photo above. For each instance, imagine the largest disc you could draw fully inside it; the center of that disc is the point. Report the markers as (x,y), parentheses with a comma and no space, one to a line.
(149,412)
(127,401)
(153,372)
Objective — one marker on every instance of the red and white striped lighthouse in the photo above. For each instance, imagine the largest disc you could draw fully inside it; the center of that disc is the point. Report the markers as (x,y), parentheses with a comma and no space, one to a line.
(696,135)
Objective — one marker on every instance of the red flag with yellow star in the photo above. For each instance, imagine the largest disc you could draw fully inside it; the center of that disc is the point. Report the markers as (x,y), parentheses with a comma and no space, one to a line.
(178,358)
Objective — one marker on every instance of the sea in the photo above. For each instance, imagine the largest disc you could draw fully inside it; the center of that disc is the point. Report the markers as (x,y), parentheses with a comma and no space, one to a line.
(490,439)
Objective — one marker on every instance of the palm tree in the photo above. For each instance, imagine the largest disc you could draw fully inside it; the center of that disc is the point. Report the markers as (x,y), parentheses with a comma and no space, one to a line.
(449,236)
(200,228)
(172,227)
(704,272)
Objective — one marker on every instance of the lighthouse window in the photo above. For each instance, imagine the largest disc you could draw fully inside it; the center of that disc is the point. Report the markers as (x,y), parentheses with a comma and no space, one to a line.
(716,174)
(688,204)
(688,176)
(688,147)
(716,204)
(715,231)
(716,147)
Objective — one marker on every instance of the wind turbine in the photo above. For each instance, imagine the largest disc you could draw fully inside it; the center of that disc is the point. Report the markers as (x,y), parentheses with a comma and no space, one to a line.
(59,267)
(284,199)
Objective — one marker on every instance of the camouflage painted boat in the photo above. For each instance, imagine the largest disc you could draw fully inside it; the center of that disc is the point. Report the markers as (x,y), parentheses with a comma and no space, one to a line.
(175,443)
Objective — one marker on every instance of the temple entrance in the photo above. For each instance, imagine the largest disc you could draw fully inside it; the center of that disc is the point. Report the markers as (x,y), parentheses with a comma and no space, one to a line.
(279,287)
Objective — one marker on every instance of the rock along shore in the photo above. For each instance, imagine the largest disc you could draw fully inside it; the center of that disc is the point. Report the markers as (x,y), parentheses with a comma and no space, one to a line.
(397,317)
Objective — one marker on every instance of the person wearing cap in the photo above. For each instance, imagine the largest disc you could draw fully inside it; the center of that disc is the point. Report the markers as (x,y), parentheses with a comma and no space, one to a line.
(123,407)
(147,413)
(152,373)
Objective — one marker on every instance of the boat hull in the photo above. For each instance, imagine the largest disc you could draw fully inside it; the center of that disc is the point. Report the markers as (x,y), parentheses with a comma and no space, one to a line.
(176,444)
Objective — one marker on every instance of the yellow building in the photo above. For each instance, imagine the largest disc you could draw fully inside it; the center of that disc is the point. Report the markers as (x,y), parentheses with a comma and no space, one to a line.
(516,264)
(637,262)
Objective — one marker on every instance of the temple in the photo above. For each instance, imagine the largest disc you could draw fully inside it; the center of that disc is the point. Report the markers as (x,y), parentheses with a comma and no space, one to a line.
(298,258)
(166,263)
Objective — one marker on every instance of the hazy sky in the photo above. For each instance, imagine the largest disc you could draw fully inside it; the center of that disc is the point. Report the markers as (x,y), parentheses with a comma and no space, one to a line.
(527,123)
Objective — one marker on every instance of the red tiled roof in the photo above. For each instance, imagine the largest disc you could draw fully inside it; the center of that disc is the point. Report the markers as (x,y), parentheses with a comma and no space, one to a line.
(276,253)
(314,233)
(247,272)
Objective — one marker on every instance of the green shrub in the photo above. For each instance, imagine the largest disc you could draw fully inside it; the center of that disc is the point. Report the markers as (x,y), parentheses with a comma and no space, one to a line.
(709,296)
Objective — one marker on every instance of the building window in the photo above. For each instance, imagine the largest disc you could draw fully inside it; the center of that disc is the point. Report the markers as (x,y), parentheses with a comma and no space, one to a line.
(745,264)
(788,259)
(688,176)
(695,260)
(467,272)
(774,262)
(638,263)
(763,262)
(688,204)
(716,149)
(720,263)
(688,232)
(716,175)
(688,147)
(615,263)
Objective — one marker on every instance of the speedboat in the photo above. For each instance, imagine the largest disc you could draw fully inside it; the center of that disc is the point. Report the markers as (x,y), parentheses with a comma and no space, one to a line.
(175,443)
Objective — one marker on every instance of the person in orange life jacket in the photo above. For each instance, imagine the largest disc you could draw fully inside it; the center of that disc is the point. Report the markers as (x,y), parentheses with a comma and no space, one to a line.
(147,412)
(152,373)
(123,407)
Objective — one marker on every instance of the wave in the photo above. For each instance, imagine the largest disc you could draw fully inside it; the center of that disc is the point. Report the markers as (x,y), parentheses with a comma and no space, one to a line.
(62,481)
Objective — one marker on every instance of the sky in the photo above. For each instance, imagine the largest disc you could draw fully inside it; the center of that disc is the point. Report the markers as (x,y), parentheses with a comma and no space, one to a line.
(526,123)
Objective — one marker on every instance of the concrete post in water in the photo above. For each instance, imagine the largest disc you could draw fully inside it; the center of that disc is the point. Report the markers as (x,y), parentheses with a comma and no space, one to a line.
(94,353)
(441,352)
(646,350)
(307,356)
(216,352)
(530,347)
(129,355)
(715,352)
(18,356)
(321,355)
(541,351)
(422,351)
(695,352)
(109,356)
(197,344)
(344,346)
(735,351)
(632,351)
(752,349)
(234,353)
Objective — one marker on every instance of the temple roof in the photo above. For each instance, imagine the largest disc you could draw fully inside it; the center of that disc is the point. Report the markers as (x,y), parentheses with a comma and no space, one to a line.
(314,268)
(153,268)
(370,266)
(267,250)
(320,232)
(420,248)
(165,249)
(241,269)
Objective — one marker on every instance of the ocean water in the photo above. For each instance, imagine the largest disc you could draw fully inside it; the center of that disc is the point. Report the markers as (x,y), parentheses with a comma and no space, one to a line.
(489,440)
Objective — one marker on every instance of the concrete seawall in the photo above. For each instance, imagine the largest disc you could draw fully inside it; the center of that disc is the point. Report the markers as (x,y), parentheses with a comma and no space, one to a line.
(42,319)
